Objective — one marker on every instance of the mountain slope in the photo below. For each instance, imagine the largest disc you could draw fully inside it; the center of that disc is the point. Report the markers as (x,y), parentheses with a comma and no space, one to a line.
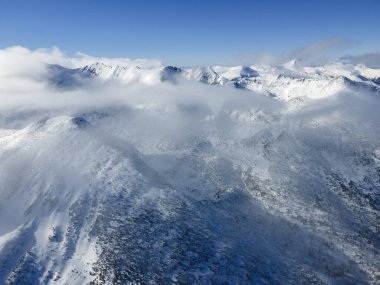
(167,181)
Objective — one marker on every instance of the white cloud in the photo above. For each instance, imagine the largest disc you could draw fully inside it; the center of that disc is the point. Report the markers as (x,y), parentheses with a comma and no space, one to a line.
(23,88)
(24,71)
(21,61)
(315,53)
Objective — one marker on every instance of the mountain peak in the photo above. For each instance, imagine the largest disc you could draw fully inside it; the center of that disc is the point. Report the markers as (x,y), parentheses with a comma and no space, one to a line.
(292,64)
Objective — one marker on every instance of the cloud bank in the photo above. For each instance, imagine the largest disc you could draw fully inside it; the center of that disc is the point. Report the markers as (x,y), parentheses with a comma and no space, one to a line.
(24,88)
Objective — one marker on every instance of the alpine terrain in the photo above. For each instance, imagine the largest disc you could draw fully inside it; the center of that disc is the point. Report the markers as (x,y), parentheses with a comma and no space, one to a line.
(138,173)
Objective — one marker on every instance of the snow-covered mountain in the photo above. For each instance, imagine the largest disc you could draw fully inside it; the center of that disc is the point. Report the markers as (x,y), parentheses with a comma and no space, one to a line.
(286,82)
(114,174)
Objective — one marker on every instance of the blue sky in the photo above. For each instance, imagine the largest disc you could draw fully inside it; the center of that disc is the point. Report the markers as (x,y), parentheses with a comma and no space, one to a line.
(190,32)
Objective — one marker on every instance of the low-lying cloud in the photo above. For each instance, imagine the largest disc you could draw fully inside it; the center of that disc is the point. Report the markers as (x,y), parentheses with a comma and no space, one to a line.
(26,94)
(24,89)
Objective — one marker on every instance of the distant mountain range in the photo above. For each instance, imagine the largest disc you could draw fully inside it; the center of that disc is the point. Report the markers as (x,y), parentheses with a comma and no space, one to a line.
(284,82)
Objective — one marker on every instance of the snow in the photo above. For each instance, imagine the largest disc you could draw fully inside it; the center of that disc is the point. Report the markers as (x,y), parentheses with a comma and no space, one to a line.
(145,175)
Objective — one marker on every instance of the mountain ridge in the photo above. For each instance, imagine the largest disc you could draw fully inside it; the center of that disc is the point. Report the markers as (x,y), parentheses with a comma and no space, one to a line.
(261,79)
